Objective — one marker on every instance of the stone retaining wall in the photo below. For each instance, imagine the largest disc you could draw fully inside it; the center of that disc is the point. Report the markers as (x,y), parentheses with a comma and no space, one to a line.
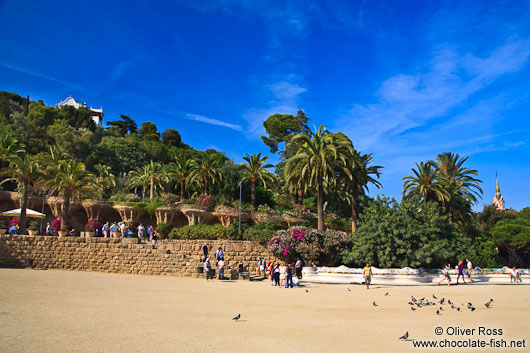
(171,258)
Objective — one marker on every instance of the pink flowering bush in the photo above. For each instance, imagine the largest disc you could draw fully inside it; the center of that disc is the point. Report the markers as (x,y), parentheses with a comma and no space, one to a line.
(310,244)
(205,201)
(92,226)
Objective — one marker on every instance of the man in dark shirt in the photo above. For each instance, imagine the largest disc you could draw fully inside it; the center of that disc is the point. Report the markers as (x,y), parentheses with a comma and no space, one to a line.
(205,252)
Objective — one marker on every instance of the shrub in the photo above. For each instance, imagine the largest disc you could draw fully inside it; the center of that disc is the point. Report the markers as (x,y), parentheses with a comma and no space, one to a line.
(92,226)
(163,229)
(262,232)
(2,223)
(309,244)
(33,226)
(203,231)
(205,201)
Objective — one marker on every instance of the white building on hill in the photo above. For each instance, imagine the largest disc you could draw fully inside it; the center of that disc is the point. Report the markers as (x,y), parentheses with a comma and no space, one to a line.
(96,114)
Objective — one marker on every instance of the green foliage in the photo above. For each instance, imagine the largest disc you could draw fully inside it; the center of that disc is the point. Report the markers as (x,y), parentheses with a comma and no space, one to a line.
(281,126)
(171,137)
(163,229)
(487,254)
(148,131)
(513,236)
(203,231)
(412,233)
(123,126)
(122,154)
(262,232)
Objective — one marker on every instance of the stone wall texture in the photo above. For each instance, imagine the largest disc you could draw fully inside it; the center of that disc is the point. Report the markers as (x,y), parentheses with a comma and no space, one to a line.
(170,258)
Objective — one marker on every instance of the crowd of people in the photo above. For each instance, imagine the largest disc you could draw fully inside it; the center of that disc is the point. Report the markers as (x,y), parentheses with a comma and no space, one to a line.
(282,274)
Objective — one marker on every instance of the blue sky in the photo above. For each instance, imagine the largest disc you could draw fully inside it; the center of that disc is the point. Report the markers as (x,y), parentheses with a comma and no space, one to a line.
(405,80)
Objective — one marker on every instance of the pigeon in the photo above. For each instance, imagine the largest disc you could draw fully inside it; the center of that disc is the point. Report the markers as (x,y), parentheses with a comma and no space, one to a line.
(491,300)
(487,305)
(458,309)
(306,291)
(437,312)
(434,296)
(473,309)
(411,303)
(413,299)
(442,301)
(374,304)
(237,317)
(349,290)
(469,305)
(422,299)
(452,306)
(413,308)
(441,309)
(386,293)
(450,302)
(405,336)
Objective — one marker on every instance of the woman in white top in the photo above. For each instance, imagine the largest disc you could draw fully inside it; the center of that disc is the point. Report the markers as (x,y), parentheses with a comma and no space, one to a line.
(283,274)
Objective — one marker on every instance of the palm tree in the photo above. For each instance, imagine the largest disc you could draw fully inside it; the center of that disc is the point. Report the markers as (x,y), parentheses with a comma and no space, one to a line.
(208,169)
(24,171)
(182,173)
(256,171)
(71,178)
(9,147)
(360,174)
(139,178)
(151,174)
(104,178)
(425,183)
(460,183)
(318,156)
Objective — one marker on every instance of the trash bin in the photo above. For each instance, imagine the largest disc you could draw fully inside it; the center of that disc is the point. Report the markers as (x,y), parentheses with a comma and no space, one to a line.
(234,275)
(212,274)
(200,269)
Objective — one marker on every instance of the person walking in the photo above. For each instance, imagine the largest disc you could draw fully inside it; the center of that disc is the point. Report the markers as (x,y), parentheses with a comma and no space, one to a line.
(154,237)
(289,276)
(141,230)
(283,275)
(106,230)
(298,268)
(122,229)
(460,268)
(221,265)
(468,271)
(367,274)
(207,268)
(276,274)
(446,274)
(113,230)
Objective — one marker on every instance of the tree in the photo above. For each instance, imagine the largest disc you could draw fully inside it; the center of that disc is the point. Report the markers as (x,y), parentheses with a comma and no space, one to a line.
(425,183)
(281,126)
(171,137)
(151,174)
(9,147)
(148,131)
(207,168)
(139,178)
(317,159)
(256,171)
(359,174)
(181,171)
(71,178)
(123,154)
(125,125)
(24,171)
(513,236)
(104,178)
(410,234)
(461,186)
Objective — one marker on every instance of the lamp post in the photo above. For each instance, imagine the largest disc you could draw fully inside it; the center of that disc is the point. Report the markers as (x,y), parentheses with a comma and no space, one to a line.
(42,211)
(240,187)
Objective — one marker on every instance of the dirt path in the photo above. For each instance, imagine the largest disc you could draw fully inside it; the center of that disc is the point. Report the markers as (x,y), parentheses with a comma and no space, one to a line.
(61,311)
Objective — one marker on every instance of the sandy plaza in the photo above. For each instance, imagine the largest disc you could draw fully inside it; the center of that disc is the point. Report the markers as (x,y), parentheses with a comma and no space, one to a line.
(63,311)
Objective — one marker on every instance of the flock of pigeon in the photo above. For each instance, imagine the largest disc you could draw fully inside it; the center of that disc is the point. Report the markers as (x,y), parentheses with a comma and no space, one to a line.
(422,302)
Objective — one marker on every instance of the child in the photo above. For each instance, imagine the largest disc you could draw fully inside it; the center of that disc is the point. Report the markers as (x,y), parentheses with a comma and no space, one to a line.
(446,274)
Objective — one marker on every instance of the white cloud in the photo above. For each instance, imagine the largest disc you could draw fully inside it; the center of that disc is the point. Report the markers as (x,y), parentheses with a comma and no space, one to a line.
(206,120)
(119,69)
(42,76)
(282,97)
(410,101)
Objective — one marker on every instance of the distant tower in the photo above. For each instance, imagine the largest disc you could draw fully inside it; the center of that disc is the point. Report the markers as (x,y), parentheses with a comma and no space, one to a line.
(498,199)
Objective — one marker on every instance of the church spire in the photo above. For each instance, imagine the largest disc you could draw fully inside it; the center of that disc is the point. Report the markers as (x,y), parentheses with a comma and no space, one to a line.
(498,199)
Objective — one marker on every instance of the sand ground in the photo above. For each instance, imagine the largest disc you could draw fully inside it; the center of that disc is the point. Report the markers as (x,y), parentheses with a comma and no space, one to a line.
(62,311)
